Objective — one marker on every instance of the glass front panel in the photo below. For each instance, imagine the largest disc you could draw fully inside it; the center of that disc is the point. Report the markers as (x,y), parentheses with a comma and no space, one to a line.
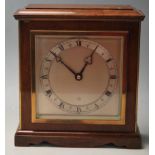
(78,77)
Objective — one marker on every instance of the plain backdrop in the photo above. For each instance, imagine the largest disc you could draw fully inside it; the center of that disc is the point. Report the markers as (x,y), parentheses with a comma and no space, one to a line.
(12,83)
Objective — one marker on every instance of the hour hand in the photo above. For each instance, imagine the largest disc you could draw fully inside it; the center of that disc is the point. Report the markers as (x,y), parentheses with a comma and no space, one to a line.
(59,59)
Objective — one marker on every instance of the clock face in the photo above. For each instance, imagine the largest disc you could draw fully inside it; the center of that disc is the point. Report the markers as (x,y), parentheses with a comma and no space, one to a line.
(78,77)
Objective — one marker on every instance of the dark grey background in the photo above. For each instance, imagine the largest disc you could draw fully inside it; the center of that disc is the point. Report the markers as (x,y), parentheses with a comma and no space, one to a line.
(12,81)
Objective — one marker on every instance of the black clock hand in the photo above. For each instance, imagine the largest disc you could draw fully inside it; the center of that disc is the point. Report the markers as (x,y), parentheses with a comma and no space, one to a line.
(88,61)
(70,69)
(83,68)
(59,59)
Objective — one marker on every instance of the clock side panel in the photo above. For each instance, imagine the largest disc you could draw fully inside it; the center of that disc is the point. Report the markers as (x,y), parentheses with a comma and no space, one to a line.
(25,76)
(26,73)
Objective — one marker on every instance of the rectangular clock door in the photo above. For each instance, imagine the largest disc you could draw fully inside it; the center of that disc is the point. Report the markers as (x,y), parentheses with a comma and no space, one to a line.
(98,95)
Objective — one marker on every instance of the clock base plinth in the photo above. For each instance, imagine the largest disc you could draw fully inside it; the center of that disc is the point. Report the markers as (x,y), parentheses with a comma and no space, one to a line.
(78,139)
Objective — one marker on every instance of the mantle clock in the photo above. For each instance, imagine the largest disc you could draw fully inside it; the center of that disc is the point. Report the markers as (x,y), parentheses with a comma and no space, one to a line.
(78,75)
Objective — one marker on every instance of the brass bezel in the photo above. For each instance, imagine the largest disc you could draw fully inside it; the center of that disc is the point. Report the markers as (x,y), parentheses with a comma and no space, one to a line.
(67,121)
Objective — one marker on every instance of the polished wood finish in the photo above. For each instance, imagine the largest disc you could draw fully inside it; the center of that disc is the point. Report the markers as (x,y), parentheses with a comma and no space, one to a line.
(85,12)
(78,139)
(79,18)
(78,6)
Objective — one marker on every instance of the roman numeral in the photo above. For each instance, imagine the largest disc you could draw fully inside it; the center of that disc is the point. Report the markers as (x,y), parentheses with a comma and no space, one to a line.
(61,47)
(78,43)
(48,60)
(108,60)
(61,105)
(97,106)
(44,77)
(113,77)
(48,93)
(108,93)
(78,109)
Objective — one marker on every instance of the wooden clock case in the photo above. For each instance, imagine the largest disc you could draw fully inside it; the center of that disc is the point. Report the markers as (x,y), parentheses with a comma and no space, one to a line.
(79,18)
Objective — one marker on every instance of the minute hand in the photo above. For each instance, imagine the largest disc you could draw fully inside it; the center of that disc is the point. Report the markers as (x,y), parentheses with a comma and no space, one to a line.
(88,61)
(59,59)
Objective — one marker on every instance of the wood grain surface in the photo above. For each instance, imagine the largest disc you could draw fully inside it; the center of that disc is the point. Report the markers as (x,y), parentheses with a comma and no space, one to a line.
(87,12)
(79,18)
